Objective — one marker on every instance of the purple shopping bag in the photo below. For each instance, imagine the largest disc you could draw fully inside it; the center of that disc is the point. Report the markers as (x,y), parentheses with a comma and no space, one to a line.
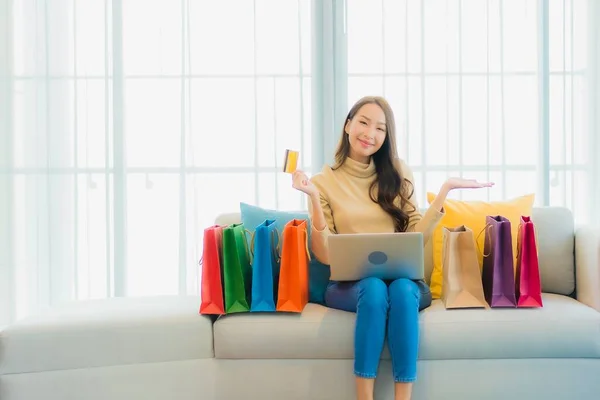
(498,274)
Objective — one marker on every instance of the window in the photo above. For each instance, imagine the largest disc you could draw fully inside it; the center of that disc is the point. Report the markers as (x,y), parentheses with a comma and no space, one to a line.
(122,138)
(129,135)
(466,82)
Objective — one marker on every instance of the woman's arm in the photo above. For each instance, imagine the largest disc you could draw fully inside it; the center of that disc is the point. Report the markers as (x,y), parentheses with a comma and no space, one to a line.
(438,203)
(319,212)
(321,226)
(317,215)
(426,223)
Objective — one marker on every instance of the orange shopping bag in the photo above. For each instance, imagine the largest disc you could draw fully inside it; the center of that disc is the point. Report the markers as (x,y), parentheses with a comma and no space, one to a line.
(293,275)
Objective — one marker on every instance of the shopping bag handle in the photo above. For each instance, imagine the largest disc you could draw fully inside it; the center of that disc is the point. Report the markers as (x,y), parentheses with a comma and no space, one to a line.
(249,253)
(486,228)
(276,246)
(306,244)
(535,237)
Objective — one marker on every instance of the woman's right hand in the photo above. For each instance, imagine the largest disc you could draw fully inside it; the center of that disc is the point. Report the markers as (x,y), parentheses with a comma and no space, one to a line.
(301,182)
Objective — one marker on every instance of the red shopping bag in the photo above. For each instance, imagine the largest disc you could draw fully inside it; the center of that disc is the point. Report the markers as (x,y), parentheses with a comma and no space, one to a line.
(293,276)
(212,272)
(528,285)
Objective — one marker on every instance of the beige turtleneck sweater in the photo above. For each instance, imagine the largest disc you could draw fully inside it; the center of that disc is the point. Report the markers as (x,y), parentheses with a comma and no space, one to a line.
(348,208)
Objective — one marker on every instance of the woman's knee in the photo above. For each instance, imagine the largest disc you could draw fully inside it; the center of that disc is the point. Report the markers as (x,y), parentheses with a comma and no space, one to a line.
(404,290)
(373,293)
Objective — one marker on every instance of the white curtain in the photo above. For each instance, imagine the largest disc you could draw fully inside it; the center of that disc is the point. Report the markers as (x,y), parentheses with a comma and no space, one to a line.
(127,126)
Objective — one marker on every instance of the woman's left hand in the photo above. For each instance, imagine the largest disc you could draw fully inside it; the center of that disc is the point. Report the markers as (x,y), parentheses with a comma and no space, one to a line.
(456,183)
(461,183)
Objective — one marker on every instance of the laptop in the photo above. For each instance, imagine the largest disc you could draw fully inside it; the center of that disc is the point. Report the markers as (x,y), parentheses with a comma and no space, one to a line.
(387,256)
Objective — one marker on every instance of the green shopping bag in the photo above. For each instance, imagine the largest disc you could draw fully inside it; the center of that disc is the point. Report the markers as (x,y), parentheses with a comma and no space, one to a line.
(236,269)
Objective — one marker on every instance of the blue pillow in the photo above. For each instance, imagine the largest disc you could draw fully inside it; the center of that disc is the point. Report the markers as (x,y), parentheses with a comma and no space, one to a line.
(253,216)
(319,274)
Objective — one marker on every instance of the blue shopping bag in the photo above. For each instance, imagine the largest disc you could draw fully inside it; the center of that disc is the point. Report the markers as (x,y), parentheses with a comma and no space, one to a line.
(265,266)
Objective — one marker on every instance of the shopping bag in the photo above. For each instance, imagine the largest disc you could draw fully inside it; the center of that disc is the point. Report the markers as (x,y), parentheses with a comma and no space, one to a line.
(237,269)
(461,287)
(211,278)
(265,266)
(528,282)
(498,274)
(293,275)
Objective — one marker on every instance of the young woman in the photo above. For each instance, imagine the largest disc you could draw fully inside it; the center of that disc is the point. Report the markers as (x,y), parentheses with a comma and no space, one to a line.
(369,189)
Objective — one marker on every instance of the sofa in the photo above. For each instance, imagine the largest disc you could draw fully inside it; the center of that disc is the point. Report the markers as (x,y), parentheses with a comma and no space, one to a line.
(161,348)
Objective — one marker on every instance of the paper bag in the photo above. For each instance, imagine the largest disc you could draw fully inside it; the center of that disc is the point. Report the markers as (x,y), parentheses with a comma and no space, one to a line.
(498,263)
(265,269)
(212,271)
(237,269)
(528,282)
(293,278)
(461,287)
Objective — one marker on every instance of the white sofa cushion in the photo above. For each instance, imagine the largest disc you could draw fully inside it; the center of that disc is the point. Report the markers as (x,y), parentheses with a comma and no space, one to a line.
(564,328)
(107,332)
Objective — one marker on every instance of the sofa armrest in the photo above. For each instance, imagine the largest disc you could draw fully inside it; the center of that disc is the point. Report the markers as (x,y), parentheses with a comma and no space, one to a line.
(587,266)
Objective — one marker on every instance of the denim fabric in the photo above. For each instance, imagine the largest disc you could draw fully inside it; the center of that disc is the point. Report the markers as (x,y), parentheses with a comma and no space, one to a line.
(381,306)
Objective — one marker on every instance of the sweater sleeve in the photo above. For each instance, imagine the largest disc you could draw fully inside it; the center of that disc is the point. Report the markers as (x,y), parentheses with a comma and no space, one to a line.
(319,244)
(417,222)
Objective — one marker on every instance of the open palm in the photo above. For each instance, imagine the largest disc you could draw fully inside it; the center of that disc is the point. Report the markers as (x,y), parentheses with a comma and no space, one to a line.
(461,183)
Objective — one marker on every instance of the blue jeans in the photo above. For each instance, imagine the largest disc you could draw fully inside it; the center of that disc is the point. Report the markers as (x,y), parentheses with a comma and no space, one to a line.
(379,305)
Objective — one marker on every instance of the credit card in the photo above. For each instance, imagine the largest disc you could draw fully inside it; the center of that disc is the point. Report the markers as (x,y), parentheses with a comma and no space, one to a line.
(290,164)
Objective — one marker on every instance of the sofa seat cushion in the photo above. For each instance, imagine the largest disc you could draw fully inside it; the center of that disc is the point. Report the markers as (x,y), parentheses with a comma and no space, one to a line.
(107,332)
(564,328)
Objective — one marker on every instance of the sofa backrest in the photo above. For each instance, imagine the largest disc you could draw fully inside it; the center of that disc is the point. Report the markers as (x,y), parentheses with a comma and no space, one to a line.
(555,229)
(556,241)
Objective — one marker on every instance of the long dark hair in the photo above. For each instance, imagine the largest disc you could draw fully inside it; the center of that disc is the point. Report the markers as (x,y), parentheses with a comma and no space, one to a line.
(388,185)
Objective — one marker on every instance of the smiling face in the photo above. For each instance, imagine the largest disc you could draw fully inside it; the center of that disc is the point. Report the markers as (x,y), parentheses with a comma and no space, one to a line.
(369,133)
(366,132)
